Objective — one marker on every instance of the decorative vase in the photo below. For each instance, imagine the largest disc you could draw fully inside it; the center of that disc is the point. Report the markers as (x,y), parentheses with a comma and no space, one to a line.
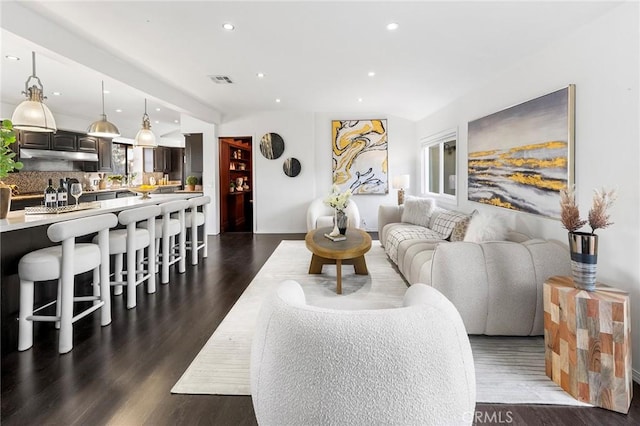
(341,221)
(5,200)
(335,231)
(584,258)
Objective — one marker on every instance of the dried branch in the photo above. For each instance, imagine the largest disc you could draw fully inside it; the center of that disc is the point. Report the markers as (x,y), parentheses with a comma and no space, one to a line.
(570,215)
(602,201)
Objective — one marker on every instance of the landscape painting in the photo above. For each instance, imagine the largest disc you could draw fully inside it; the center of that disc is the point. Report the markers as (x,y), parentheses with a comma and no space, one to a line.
(521,157)
(360,156)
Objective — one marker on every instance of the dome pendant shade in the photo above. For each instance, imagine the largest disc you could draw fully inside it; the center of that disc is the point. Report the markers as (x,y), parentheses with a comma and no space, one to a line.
(145,137)
(102,128)
(33,114)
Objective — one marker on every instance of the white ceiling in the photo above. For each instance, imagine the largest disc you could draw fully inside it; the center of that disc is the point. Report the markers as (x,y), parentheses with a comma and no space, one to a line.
(315,55)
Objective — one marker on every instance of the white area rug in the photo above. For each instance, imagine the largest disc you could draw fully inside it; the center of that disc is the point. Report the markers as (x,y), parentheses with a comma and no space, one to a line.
(508,370)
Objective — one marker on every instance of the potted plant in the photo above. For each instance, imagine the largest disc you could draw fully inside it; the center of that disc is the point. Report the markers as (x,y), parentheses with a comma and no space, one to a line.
(116,180)
(191,183)
(584,245)
(7,164)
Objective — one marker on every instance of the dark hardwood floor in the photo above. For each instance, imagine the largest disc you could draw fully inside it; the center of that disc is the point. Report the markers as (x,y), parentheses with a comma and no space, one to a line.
(122,374)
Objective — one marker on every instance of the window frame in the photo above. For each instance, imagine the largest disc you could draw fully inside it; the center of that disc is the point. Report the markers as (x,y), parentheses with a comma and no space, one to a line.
(426,144)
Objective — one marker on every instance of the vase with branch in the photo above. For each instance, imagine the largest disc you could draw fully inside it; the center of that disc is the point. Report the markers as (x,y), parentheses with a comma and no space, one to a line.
(339,202)
(584,245)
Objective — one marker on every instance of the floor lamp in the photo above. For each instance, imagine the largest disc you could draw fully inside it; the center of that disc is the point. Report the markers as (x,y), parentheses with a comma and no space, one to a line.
(401,183)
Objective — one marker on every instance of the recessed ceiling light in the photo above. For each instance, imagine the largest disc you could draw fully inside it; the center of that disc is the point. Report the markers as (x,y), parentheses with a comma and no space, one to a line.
(118,110)
(392,26)
(176,121)
(359,99)
(278,100)
(371,73)
(157,109)
(106,92)
(56,93)
(157,122)
(228,26)
(260,75)
(12,58)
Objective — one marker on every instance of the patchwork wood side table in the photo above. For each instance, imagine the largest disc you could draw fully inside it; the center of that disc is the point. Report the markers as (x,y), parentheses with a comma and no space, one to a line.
(587,339)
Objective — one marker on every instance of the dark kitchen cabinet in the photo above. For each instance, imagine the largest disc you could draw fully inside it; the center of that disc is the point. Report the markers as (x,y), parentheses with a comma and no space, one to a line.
(88,144)
(193,155)
(104,155)
(162,159)
(34,140)
(64,141)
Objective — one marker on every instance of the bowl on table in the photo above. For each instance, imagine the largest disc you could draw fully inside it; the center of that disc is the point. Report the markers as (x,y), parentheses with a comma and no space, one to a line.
(144,190)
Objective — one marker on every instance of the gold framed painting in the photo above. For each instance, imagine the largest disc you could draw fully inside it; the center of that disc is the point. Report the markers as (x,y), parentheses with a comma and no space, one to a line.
(521,157)
(360,157)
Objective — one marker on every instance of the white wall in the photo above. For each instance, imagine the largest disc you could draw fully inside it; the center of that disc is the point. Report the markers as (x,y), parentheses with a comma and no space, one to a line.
(280,202)
(602,60)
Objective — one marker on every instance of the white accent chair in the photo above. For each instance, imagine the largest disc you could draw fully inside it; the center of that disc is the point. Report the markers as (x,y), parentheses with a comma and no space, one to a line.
(167,229)
(132,241)
(63,262)
(192,220)
(409,365)
(320,215)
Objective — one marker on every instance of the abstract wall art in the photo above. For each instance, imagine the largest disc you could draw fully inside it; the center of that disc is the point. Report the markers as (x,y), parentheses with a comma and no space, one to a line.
(271,146)
(521,157)
(360,156)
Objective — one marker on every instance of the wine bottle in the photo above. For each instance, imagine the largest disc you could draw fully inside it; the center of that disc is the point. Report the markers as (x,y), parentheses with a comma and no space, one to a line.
(62,194)
(50,196)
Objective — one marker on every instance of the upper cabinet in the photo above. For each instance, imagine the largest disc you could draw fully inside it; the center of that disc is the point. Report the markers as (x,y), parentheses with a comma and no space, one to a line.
(59,141)
(34,140)
(104,155)
(64,141)
(88,144)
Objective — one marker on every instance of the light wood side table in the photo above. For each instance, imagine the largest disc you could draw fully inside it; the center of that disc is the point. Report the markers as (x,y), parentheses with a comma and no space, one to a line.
(587,339)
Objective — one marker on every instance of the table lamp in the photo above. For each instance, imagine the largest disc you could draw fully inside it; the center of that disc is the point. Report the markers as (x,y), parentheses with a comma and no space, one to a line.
(401,183)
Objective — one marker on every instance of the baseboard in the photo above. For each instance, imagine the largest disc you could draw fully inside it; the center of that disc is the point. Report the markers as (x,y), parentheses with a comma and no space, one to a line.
(636,376)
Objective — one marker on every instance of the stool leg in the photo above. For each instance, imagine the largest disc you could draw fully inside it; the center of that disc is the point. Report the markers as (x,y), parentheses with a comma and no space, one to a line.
(182,245)
(25,326)
(205,249)
(194,240)
(65,342)
(131,276)
(105,286)
(165,259)
(139,267)
(58,299)
(118,266)
(96,284)
(151,259)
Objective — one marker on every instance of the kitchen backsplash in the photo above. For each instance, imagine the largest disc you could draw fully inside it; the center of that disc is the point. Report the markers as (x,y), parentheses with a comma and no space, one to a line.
(33,182)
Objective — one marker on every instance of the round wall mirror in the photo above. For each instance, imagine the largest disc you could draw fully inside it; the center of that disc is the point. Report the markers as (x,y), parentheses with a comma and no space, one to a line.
(291,167)
(272,146)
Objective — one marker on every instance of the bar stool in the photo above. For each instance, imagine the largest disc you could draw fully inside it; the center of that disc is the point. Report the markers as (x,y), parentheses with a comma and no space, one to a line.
(63,262)
(132,241)
(192,220)
(167,229)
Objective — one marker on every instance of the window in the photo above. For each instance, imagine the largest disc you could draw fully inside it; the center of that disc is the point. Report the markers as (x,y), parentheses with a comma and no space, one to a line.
(439,164)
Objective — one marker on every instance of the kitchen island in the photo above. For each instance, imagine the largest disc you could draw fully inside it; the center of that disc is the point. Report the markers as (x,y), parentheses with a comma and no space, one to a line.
(22,233)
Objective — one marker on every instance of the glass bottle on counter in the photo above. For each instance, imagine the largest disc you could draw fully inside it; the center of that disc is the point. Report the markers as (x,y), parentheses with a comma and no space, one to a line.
(62,194)
(50,196)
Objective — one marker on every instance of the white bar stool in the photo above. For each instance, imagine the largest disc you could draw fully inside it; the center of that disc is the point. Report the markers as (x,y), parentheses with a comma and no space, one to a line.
(167,229)
(192,220)
(64,262)
(133,241)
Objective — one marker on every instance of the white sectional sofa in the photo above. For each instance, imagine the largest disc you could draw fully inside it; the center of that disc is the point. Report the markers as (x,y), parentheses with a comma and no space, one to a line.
(495,284)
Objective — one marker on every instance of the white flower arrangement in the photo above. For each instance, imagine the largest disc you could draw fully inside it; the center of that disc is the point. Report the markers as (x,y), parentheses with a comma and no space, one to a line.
(338,200)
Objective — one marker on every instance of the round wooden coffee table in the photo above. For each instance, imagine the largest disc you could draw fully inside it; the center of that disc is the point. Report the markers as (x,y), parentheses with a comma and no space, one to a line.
(348,252)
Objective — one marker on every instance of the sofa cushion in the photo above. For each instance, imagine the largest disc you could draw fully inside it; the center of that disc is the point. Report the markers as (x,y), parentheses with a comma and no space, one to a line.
(446,221)
(417,211)
(399,232)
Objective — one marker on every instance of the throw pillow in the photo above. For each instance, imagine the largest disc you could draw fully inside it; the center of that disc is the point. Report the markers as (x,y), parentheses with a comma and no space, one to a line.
(417,211)
(460,229)
(485,227)
(446,221)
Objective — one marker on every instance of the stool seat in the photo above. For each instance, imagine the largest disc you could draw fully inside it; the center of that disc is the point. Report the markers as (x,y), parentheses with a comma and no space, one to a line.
(118,240)
(44,264)
(174,227)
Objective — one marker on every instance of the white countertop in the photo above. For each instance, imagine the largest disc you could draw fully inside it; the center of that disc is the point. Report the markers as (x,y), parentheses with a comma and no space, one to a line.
(18,220)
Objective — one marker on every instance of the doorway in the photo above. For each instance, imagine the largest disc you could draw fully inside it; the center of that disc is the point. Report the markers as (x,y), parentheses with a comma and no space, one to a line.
(236,181)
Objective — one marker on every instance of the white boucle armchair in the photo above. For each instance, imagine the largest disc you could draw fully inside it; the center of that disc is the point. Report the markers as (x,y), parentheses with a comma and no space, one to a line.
(320,215)
(409,365)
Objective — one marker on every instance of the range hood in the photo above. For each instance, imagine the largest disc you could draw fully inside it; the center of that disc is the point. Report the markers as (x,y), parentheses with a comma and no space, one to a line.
(47,154)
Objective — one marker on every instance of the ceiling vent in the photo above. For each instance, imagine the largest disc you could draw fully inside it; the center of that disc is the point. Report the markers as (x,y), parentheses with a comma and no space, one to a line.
(221,79)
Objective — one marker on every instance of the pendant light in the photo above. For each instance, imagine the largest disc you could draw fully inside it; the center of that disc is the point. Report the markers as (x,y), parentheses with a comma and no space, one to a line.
(102,128)
(33,114)
(145,136)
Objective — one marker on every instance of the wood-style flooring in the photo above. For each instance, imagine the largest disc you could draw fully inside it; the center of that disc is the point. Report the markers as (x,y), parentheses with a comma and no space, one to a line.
(122,374)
